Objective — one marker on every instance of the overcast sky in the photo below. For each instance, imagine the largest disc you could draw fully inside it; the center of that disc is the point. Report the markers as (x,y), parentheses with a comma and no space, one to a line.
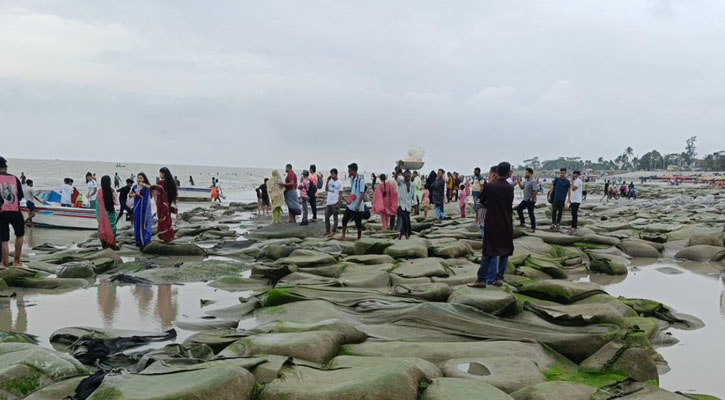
(260,83)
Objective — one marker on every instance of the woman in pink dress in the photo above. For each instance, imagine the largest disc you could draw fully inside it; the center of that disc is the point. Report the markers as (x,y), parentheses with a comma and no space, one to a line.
(385,201)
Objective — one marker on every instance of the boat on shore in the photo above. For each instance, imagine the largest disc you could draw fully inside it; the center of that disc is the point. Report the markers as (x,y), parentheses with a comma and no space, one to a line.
(189,193)
(55,216)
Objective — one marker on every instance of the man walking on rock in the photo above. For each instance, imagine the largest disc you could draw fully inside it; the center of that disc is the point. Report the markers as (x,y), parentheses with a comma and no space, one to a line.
(355,205)
(559,192)
(531,189)
(498,242)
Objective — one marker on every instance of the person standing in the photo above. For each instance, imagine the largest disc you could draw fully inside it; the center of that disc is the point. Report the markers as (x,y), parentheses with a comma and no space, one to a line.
(92,193)
(374,180)
(106,213)
(584,189)
(498,242)
(406,200)
(355,206)
(450,184)
(276,196)
(385,201)
(304,188)
(606,190)
(290,194)
(438,195)
(123,200)
(191,180)
(476,186)
(315,181)
(23,179)
(462,199)
(559,192)
(576,195)
(116,181)
(418,185)
(263,197)
(66,193)
(531,190)
(30,199)
(142,215)
(165,194)
(333,187)
(11,193)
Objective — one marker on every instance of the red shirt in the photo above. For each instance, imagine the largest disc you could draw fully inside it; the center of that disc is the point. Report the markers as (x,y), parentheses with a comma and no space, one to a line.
(290,181)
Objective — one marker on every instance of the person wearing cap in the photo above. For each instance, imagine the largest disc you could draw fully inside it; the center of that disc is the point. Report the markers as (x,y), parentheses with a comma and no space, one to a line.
(11,192)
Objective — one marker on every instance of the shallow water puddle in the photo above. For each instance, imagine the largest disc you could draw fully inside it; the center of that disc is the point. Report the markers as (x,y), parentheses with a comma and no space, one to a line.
(698,289)
(147,308)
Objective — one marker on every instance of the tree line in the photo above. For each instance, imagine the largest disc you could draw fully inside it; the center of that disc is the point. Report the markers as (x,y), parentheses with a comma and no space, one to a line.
(650,161)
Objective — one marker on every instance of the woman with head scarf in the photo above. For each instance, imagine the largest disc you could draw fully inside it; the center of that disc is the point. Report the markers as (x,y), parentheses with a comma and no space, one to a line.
(276,196)
(106,203)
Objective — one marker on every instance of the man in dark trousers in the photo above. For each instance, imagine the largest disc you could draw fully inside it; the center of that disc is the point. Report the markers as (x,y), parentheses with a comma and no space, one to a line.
(123,199)
(498,242)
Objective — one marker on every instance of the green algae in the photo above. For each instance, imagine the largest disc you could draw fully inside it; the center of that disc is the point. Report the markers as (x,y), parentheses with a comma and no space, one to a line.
(107,394)
(22,386)
(591,246)
(593,379)
(277,297)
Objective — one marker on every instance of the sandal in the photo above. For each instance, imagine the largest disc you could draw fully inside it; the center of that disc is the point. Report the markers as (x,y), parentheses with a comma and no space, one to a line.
(477,284)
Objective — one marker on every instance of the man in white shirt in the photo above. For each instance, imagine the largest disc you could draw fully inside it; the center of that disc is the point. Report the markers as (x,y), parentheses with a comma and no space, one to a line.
(575,199)
(92,193)
(66,193)
(333,187)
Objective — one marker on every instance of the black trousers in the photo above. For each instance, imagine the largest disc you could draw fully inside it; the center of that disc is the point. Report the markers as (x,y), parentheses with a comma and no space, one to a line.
(404,218)
(557,209)
(354,215)
(528,205)
(313,207)
(575,215)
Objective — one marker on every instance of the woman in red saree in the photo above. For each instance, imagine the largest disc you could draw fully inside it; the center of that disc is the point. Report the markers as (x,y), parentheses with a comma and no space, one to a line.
(385,201)
(165,194)
(106,213)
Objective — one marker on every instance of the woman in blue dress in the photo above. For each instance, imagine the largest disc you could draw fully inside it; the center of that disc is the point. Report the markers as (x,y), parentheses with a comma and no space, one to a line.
(143,221)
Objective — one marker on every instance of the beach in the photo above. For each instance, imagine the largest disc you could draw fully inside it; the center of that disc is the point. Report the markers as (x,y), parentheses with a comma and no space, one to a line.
(281,301)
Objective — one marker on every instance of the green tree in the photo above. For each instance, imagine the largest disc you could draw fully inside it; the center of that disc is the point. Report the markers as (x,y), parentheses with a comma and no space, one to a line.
(688,157)
(651,160)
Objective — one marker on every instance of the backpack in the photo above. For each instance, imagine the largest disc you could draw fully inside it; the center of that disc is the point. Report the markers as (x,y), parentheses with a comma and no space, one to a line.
(311,190)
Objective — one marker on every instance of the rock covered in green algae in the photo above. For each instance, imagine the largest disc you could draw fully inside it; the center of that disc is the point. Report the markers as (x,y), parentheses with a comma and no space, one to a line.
(413,248)
(451,250)
(506,373)
(82,269)
(350,333)
(60,390)
(214,381)
(430,370)
(193,272)
(235,283)
(462,389)
(383,382)
(316,346)
(702,253)
(491,301)
(25,368)
(608,266)
(559,291)
(307,258)
(424,267)
(639,248)
(434,291)
(157,248)
(14,337)
(555,391)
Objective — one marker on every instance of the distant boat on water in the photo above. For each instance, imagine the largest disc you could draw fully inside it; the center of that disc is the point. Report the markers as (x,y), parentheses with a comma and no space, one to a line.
(119,165)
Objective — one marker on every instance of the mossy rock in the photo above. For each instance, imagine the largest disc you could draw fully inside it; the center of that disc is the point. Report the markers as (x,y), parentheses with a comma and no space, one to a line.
(316,346)
(491,301)
(369,246)
(158,248)
(607,266)
(24,368)
(413,248)
(560,291)
(81,269)
(193,272)
(3,285)
(555,391)
(307,258)
(235,283)
(51,283)
(462,389)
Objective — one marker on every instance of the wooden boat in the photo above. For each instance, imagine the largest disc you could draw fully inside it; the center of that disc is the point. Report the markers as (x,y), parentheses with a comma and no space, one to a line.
(54,216)
(119,165)
(191,193)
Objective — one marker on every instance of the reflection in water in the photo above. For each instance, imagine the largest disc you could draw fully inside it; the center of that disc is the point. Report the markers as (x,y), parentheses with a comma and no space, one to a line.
(166,308)
(110,307)
(107,303)
(20,324)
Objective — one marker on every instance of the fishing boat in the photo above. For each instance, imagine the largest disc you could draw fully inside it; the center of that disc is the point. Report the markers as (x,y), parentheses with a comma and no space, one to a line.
(119,165)
(55,216)
(187,193)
